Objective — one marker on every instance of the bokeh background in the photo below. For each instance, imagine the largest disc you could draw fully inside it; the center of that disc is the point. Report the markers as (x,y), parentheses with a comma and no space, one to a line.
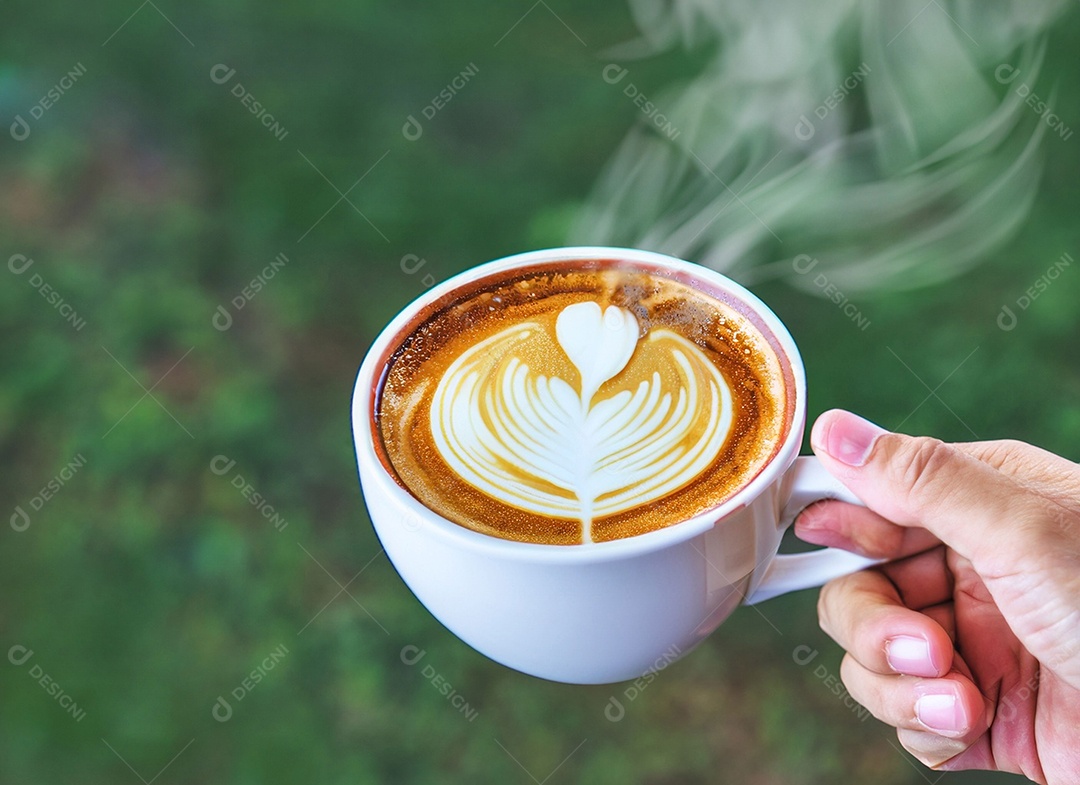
(141,586)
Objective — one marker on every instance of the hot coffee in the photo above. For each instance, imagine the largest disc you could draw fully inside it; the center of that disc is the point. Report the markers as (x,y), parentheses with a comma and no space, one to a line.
(581,402)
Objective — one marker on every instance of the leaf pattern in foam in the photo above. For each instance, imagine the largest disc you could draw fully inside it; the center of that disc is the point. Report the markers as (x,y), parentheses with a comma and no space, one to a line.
(535,443)
(599,344)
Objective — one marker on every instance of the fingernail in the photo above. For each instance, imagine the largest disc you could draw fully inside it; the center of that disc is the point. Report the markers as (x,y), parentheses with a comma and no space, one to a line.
(910,655)
(849,438)
(941,713)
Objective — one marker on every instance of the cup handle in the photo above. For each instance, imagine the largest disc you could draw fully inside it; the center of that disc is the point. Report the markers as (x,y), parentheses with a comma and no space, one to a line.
(791,572)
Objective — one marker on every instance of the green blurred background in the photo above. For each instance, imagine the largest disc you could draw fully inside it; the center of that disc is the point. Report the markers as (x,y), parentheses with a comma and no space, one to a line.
(148,586)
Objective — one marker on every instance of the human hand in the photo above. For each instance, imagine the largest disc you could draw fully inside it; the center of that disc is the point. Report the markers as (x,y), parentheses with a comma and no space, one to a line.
(968,641)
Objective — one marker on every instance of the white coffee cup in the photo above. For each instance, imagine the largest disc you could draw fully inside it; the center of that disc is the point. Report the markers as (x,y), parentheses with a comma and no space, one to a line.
(609,611)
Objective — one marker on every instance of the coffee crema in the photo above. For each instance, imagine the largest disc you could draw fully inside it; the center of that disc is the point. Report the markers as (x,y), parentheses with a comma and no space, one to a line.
(580,403)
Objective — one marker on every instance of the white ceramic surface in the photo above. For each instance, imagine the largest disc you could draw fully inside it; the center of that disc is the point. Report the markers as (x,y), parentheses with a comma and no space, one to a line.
(610,611)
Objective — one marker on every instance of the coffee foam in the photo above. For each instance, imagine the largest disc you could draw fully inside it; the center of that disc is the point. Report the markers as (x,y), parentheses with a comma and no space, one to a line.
(586,405)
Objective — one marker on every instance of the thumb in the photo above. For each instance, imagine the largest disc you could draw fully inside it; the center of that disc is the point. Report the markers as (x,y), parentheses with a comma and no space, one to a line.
(916,481)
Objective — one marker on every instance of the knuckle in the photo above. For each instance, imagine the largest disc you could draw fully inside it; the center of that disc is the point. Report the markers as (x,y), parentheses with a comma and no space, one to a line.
(849,676)
(921,465)
(817,515)
(823,608)
(1002,452)
(834,597)
(881,541)
(1010,448)
(865,689)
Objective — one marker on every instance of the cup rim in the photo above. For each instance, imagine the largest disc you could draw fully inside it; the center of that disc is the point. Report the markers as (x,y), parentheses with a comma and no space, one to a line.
(372,469)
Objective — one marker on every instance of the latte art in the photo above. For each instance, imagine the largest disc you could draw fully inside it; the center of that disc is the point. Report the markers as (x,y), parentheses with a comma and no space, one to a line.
(574,405)
(556,446)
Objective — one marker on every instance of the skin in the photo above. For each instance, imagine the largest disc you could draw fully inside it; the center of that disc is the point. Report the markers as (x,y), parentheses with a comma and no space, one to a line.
(979,605)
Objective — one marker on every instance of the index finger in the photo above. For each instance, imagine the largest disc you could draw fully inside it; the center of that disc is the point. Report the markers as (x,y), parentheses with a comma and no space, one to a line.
(838,524)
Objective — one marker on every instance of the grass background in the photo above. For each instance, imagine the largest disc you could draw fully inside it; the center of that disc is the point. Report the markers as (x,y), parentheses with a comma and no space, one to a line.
(148,586)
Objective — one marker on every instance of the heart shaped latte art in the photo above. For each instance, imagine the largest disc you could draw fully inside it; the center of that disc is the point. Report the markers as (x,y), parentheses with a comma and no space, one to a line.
(561,448)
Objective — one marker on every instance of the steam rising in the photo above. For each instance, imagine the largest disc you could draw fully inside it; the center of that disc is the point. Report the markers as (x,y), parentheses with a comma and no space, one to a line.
(871,136)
